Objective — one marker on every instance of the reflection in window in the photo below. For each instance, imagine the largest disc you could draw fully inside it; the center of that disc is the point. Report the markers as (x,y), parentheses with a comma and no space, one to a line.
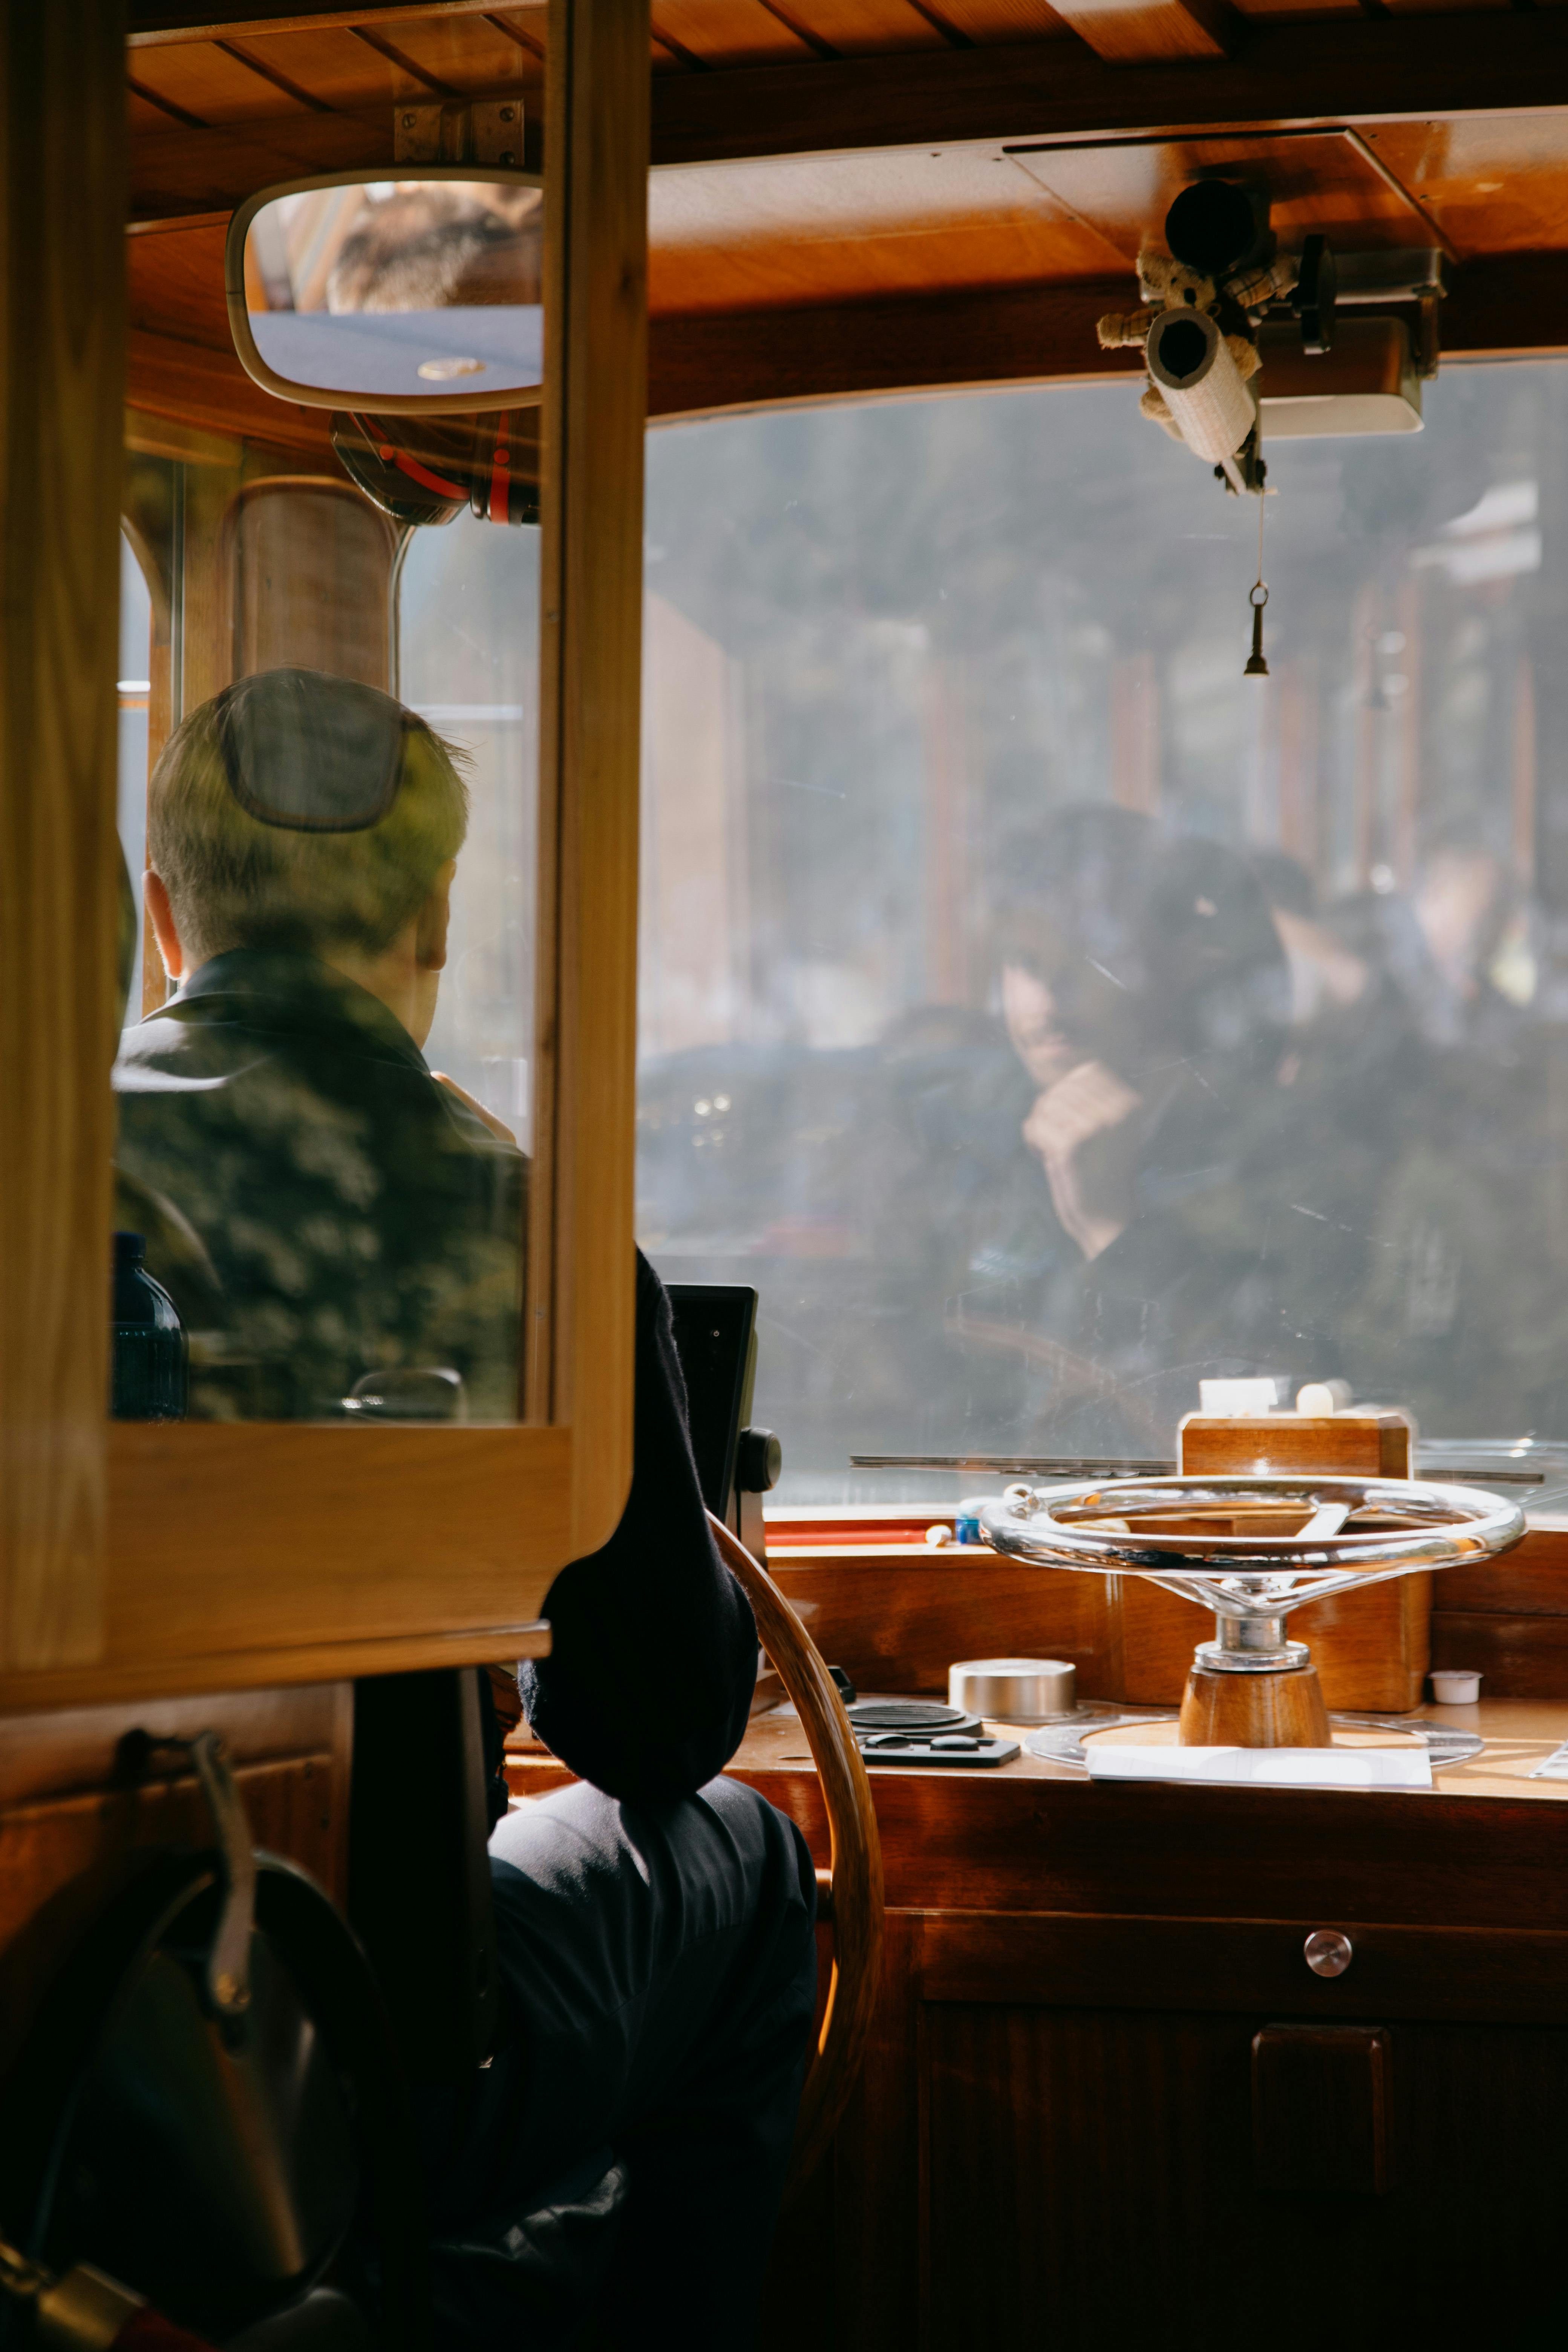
(1044,1017)
(338,1224)
(468,640)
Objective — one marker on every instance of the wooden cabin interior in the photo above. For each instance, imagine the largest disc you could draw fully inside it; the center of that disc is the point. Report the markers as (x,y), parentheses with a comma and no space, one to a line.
(838,561)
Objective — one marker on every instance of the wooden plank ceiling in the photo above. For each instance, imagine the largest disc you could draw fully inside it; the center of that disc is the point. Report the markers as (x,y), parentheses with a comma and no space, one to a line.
(864,194)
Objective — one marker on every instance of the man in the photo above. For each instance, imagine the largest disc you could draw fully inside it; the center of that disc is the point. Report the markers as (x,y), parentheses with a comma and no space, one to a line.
(654,1923)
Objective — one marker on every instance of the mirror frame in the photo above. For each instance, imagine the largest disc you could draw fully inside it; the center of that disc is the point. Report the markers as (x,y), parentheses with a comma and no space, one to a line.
(416,404)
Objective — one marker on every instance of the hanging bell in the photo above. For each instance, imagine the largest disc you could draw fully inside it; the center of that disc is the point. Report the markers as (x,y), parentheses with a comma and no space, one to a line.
(1257,596)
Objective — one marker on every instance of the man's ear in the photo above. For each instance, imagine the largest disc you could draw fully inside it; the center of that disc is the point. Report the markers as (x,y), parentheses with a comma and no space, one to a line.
(165,931)
(435,916)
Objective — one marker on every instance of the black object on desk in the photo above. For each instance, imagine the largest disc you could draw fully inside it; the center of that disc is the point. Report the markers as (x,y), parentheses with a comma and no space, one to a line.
(716,1339)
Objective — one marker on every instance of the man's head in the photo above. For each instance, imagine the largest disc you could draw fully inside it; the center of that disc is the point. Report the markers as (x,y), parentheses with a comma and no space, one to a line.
(312,814)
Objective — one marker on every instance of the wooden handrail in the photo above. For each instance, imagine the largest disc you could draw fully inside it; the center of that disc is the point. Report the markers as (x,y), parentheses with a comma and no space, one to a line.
(854,1882)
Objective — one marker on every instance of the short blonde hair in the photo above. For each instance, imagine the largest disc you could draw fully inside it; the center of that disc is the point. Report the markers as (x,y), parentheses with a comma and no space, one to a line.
(237,880)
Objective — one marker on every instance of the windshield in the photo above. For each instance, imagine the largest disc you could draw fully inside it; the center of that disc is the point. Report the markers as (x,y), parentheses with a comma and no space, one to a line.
(1044,1016)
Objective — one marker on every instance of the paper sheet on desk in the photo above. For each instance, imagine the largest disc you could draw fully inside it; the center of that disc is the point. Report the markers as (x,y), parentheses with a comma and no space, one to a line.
(1264,1768)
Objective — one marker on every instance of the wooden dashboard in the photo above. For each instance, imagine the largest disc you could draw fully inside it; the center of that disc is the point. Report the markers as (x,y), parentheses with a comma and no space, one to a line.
(1109,2101)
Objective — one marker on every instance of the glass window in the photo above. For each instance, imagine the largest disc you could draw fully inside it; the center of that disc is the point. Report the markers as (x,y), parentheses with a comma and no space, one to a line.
(1044,1016)
(130,797)
(324,1116)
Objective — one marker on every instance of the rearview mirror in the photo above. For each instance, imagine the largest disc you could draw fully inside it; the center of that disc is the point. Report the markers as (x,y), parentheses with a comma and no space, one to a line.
(411,294)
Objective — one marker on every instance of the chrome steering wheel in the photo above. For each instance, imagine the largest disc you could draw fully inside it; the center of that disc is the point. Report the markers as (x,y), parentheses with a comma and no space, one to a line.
(1351,1531)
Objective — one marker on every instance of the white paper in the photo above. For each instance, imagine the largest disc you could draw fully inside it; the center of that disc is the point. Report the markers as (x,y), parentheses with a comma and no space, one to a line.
(1264,1768)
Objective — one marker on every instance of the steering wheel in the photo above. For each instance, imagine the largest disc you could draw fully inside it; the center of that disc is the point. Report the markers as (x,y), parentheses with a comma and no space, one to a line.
(1353,1531)
(849,1892)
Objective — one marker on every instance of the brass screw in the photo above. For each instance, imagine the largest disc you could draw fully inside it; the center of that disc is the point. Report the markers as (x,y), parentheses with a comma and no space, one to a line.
(408,122)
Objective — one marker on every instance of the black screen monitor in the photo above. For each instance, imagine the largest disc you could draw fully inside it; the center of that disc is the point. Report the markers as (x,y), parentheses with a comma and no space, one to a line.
(716,1339)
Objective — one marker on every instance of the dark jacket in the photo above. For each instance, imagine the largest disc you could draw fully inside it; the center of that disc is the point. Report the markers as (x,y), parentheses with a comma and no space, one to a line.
(356,1216)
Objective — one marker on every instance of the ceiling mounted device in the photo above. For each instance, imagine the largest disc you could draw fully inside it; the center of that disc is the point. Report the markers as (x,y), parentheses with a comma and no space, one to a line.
(414,295)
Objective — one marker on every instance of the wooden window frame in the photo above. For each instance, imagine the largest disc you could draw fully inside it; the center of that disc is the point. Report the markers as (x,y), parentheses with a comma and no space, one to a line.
(139,1559)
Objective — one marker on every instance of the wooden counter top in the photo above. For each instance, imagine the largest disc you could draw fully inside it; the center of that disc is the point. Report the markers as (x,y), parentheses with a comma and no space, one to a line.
(1486,1848)
(1519,1734)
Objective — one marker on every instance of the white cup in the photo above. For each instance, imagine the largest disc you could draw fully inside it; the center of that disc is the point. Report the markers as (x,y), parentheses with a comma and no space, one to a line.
(1450,1688)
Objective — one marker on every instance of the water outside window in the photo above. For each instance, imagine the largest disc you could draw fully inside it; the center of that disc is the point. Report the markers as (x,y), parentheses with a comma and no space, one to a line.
(1042,1016)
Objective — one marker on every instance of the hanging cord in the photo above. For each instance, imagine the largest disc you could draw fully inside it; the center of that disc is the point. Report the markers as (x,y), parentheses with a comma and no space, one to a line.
(1257,596)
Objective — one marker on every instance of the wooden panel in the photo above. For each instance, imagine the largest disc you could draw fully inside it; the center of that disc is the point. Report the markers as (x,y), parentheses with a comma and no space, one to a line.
(898,1625)
(1346,1445)
(1011,336)
(1012,1841)
(1089,2179)
(335,66)
(1532,1581)
(177,172)
(176,283)
(698,366)
(1372,1649)
(1321,2100)
(210,84)
(1520,1657)
(849,28)
(1317,179)
(1003,20)
(61,280)
(210,390)
(1288,74)
(1506,1977)
(63,1754)
(525,25)
(876,2168)
(726,32)
(898,1620)
(1494,188)
(590,595)
(155,23)
(144,114)
(57,1853)
(461,53)
(1134,32)
(846,227)
(227,1536)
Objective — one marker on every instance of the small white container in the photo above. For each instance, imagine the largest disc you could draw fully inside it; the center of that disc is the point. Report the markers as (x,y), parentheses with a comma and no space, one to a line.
(1450,1688)
(1013,1690)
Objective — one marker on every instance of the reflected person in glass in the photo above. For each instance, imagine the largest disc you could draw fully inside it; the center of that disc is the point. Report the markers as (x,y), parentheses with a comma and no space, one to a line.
(363,1216)
(1146,994)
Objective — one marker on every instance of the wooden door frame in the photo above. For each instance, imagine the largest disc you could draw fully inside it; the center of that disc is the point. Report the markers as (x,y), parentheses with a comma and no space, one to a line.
(137,1559)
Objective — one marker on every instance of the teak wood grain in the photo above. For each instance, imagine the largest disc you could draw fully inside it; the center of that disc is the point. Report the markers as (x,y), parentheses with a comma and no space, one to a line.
(1141,32)
(62,177)
(73,1816)
(897,1617)
(580,1305)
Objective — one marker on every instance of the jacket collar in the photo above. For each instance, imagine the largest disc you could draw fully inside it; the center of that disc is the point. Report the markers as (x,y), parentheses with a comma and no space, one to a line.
(291,994)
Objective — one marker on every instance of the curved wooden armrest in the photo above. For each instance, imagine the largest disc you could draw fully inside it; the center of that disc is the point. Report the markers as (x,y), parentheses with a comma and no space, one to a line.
(853,1885)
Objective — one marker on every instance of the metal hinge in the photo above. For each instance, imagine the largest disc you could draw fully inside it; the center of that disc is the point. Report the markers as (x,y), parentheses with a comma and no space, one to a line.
(461,132)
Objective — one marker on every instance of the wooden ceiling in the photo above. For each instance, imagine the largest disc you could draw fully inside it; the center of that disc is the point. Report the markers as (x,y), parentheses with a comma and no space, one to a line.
(863,196)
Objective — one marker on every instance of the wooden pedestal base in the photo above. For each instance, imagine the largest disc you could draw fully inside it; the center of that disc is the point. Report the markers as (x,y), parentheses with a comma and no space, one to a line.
(1226,1710)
